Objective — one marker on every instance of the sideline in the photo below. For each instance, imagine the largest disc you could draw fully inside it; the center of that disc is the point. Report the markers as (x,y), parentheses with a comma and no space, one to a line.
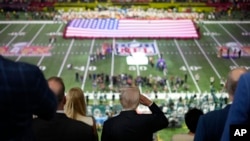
(225,22)
(29,22)
(161,95)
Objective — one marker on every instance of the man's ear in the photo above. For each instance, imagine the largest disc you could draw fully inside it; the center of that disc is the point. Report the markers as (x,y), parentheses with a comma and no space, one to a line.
(64,100)
(226,86)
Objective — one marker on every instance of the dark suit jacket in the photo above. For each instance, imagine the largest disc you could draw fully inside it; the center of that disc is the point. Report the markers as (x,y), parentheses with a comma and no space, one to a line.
(130,126)
(211,125)
(239,112)
(62,128)
(23,92)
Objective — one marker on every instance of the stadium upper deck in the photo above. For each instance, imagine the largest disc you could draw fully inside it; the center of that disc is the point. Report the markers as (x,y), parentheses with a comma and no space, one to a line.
(34,5)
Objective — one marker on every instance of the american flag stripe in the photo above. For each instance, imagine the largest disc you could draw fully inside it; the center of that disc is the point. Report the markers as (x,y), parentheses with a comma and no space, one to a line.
(114,28)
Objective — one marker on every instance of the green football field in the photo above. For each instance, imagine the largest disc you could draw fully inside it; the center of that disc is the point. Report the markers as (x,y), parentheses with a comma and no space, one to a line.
(191,56)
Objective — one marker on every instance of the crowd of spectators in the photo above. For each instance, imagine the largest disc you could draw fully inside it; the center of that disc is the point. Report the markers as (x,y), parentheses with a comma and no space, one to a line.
(127,13)
(111,12)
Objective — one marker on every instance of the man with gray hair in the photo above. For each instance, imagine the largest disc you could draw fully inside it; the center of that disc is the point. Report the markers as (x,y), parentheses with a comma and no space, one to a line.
(130,125)
(211,125)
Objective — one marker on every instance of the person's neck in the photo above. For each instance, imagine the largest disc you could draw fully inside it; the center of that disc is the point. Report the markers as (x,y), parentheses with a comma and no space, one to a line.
(190,133)
(59,111)
(128,109)
(80,115)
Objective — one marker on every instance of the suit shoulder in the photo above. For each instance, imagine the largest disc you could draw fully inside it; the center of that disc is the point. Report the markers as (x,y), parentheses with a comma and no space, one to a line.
(8,62)
(212,113)
(246,77)
(111,119)
(216,114)
(76,123)
(28,66)
(247,74)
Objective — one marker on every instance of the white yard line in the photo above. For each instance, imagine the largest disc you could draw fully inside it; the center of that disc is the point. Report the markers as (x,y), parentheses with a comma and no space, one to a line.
(226,22)
(218,43)
(242,28)
(16,35)
(28,22)
(50,44)
(138,70)
(87,65)
(32,40)
(37,33)
(187,66)
(164,73)
(40,61)
(66,57)
(210,63)
(230,34)
(138,74)
(112,61)
(8,44)
(4,28)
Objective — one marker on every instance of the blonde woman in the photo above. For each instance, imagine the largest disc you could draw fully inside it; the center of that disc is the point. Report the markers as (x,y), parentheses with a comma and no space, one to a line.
(75,108)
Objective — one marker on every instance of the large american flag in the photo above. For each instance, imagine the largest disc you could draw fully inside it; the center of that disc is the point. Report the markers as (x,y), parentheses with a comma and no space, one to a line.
(130,28)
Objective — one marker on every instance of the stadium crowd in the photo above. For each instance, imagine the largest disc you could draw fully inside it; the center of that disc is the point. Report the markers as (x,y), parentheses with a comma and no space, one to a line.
(133,12)
(127,13)
(111,12)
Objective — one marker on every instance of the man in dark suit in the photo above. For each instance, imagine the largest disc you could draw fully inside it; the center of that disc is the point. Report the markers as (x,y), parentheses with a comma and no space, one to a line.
(211,125)
(191,121)
(23,92)
(239,112)
(61,128)
(130,125)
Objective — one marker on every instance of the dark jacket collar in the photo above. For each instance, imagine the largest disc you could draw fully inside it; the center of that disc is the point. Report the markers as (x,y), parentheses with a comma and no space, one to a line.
(128,112)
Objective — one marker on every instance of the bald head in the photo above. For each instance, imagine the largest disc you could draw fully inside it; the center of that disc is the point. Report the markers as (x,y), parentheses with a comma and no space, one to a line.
(129,98)
(232,79)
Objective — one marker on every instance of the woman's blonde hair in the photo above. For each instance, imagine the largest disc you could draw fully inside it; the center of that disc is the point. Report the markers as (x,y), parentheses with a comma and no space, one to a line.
(75,103)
